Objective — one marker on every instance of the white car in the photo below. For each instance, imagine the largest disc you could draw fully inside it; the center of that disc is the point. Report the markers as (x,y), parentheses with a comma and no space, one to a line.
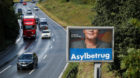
(46,34)
(36,8)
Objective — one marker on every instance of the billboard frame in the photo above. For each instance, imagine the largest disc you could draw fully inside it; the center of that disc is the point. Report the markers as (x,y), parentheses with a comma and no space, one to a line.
(88,27)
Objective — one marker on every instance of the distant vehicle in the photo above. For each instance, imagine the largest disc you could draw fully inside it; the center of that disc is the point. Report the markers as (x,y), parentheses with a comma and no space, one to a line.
(21,1)
(19,11)
(24,3)
(29,12)
(36,8)
(43,25)
(29,26)
(46,34)
(27,60)
(33,1)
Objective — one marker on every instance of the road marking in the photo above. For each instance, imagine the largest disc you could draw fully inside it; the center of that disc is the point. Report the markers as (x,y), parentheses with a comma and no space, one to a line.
(53,39)
(60,76)
(31,71)
(5,69)
(51,47)
(44,56)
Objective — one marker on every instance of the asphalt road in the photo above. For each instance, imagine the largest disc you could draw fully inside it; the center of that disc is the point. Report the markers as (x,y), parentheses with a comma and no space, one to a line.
(51,52)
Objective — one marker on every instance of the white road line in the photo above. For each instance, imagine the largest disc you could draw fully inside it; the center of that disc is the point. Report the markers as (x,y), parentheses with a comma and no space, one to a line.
(51,47)
(60,76)
(53,39)
(31,71)
(44,56)
(5,69)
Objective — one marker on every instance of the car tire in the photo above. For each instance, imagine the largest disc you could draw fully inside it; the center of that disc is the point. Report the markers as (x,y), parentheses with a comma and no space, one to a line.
(18,68)
(24,38)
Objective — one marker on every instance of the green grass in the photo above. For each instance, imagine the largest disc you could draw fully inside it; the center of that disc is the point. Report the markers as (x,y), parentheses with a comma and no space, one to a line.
(106,73)
(85,70)
(69,68)
(70,13)
(19,0)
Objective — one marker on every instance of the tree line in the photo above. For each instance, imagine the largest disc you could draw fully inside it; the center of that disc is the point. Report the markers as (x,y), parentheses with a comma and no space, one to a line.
(124,15)
(9,28)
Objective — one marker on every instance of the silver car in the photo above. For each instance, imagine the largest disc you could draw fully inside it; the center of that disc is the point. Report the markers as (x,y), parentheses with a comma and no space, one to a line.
(29,12)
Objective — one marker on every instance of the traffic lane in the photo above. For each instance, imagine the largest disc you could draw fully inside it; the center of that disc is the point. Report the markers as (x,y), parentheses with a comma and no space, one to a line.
(59,42)
(57,60)
(50,68)
(13,73)
(34,43)
(39,47)
(26,41)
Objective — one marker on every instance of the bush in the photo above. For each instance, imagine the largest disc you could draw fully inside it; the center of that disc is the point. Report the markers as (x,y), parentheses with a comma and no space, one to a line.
(126,21)
(131,64)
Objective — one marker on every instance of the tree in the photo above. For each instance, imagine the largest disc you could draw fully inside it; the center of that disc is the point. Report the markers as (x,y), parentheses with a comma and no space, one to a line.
(131,64)
(9,25)
(124,15)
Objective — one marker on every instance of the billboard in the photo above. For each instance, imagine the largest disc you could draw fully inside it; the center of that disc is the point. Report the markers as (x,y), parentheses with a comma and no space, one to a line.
(90,44)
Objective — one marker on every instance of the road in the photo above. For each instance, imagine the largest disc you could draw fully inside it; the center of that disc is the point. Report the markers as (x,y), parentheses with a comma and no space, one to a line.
(51,52)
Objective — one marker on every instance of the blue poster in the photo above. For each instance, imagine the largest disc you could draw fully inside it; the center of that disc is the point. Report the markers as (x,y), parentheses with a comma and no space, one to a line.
(85,54)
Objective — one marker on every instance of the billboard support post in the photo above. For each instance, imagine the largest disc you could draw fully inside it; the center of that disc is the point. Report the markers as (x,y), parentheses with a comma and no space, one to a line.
(97,70)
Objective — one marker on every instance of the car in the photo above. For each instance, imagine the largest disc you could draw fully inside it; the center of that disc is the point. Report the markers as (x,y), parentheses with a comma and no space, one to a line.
(46,34)
(24,3)
(36,8)
(33,1)
(43,25)
(27,60)
(19,11)
(29,12)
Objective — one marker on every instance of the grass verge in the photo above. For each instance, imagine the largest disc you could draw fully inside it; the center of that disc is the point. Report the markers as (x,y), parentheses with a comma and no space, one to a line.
(70,68)
(19,0)
(52,16)
(69,13)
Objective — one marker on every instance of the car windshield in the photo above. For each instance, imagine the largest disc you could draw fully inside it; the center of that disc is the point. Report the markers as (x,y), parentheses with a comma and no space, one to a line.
(29,27)
(43,23)
(26,56)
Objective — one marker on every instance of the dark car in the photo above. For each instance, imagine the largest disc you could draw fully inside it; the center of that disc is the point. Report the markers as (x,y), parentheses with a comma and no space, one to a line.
(27,60)
(33,1)
(43,25)
(19,11)
(29,12)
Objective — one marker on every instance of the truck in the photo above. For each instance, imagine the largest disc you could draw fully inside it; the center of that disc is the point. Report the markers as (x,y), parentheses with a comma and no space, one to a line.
(29,26)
